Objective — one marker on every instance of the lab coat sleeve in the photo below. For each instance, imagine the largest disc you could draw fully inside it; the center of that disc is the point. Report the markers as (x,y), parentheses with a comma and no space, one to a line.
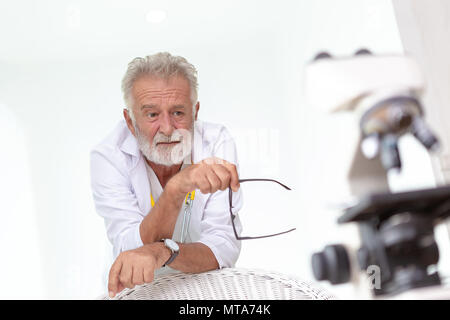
(216,229)
(115,202)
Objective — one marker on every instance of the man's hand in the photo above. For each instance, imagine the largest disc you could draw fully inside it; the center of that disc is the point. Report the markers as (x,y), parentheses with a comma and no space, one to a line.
(209,175)
(135,267)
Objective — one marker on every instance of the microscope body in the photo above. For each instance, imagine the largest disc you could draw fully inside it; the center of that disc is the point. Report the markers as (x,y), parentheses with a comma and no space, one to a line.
(383,93)
(396,230)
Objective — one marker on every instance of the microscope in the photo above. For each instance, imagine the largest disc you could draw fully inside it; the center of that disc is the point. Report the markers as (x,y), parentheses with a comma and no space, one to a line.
(396,230)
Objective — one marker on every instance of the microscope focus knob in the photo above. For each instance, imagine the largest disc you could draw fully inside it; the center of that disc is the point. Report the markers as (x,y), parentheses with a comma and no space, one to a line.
(332,264)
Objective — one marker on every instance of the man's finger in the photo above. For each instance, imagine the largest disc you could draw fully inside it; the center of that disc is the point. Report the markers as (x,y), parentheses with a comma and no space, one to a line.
(148,275)
(234,180)
(126,275)
(224,176)
(203,184)
(214,180)
(138,276)
(113,281)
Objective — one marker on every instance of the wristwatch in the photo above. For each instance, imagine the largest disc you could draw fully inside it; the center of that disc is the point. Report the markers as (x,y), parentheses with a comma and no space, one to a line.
(173,247)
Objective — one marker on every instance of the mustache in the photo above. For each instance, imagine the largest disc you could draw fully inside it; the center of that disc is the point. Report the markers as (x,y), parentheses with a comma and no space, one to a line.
(162,138)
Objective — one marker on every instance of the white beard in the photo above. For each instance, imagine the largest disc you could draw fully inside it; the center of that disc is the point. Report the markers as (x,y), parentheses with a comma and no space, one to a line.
(166,155)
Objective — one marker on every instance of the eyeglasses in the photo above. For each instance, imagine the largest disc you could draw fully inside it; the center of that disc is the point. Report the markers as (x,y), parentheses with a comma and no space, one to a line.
(233,216)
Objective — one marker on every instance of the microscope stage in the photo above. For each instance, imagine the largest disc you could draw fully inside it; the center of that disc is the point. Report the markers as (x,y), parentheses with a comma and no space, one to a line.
(434,202)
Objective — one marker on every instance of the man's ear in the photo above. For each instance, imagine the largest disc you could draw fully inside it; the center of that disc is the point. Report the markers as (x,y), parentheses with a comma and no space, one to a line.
(197,107)
(129,121)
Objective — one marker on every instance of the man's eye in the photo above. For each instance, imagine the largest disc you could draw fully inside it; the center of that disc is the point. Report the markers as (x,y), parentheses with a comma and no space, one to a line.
(178,113)
(152,114)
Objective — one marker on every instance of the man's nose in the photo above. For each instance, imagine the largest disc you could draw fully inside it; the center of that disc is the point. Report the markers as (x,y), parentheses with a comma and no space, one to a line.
(165,125)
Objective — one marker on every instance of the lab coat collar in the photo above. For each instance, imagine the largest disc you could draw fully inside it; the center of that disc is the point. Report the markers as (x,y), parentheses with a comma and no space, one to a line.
(130,145)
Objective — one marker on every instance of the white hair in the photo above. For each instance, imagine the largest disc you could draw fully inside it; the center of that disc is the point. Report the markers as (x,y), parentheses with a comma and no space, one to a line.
(161,65)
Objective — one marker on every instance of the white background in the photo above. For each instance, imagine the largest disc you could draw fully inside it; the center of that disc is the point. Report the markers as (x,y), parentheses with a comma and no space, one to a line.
(61,63)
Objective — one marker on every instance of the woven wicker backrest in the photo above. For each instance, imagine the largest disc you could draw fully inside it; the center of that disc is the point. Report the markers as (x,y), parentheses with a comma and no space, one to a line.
(225,284)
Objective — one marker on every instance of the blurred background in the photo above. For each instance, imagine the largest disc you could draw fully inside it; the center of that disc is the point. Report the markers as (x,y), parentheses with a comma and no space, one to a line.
(61,63)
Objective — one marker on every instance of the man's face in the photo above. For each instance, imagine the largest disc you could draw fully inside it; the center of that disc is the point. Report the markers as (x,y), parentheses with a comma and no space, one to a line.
(164,119)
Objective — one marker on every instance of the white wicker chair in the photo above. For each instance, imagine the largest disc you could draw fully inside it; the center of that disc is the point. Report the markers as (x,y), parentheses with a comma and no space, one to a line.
(225,284)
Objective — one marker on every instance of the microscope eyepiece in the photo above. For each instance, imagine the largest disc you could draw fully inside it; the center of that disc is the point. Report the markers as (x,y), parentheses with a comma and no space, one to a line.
(363,51)
(322,55)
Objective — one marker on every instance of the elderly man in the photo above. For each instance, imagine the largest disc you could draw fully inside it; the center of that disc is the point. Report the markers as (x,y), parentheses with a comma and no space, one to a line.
(159,179)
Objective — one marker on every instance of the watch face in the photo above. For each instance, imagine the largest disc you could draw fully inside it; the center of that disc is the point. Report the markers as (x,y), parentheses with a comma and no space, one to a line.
(172,245)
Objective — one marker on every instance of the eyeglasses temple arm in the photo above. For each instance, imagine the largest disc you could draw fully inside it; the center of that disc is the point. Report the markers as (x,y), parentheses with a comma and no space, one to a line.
(284,186)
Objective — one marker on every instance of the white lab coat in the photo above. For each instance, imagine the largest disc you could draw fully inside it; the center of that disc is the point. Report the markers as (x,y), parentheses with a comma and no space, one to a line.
(121,191)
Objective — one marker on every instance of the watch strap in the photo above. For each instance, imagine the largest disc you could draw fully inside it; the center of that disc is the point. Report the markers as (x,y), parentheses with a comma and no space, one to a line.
(172,256)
